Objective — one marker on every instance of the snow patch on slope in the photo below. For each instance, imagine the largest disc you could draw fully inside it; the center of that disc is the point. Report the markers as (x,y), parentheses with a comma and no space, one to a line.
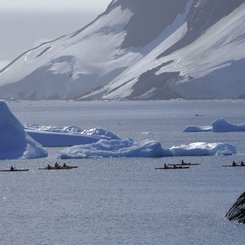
(191,56)
(73,64)
(121,87)
(220,47)
(3,63)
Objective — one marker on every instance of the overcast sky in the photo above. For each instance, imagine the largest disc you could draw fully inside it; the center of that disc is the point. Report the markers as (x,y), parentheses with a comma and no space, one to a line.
(25,23)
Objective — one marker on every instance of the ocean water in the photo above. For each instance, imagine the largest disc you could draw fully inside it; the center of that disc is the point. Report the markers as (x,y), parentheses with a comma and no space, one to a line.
(125,200)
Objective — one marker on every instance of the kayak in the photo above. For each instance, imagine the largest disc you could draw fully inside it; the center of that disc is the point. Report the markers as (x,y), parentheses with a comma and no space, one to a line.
(172,167)
(14,170)
(59,168)
(231,166)
(183,164)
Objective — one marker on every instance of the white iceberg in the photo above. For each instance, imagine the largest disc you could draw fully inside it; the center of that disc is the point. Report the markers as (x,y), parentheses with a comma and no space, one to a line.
(101,133)
(203,149)
(15,142)
(193,129)
(129,148)
(55,139)
(219,125)
(51,136)
(116,148)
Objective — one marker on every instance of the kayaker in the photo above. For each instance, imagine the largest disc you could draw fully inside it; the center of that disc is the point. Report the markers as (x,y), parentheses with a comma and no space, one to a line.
(65,166)
(56,165)
(165,165)
(12,168)
(242,163)
(234,164)
(182,162)
(48,166)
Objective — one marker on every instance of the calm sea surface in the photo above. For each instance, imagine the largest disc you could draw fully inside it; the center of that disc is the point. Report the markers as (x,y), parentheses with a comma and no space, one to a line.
(126,201)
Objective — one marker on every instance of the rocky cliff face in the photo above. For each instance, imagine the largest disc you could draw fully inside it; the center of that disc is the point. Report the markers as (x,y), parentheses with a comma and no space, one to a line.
(201,59)
(237,211)
(149,20)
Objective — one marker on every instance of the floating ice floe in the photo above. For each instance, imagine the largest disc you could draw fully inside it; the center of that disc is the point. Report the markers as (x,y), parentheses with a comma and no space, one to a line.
(54,139)
(50,136)
(129,148)
(116,148)
(15,142)
(203,149)
(219,125)
(193,129)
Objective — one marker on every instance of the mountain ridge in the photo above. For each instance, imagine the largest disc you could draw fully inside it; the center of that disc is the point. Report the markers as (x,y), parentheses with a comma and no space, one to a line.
(139,50)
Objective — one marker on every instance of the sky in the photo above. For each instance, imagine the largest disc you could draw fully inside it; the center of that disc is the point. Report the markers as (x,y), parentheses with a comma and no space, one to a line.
(26,23)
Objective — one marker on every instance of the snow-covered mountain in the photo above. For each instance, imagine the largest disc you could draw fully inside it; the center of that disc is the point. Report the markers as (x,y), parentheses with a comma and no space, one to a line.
(139,49)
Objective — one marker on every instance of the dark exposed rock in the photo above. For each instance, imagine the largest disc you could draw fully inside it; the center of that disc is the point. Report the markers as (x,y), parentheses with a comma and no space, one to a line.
(237,211)
(149,18)
(161,84)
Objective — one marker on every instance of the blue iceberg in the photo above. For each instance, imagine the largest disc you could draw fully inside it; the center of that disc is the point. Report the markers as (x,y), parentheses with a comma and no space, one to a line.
(219,125)
(129,148)
(15,143)
(51,136)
